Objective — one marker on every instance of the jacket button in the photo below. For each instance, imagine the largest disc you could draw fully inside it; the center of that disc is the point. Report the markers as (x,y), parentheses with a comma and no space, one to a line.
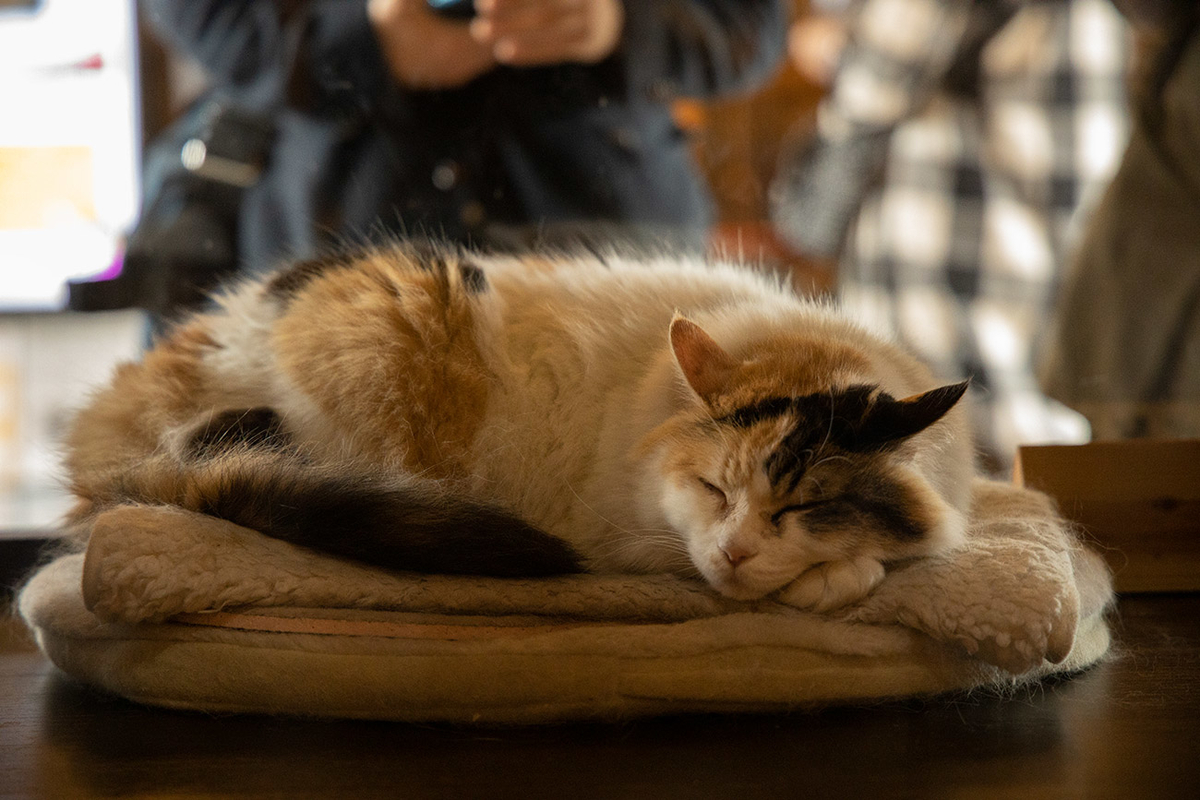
(472,214)
(662,91)
(446,174)
(624,138)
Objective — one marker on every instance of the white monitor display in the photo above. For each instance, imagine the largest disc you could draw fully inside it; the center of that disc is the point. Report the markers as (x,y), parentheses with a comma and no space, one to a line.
(69,144)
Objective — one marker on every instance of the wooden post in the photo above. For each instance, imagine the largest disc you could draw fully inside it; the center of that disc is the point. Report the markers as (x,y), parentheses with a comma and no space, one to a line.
(1137,500)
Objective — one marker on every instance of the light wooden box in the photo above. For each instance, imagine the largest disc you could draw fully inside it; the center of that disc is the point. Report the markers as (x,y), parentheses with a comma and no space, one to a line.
(1137,500)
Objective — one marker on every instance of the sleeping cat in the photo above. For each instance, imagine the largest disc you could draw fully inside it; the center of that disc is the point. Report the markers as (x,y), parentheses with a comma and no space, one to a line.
(452,412)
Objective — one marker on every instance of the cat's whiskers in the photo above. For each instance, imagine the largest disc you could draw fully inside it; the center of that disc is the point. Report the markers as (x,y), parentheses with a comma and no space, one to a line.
(634,547)
(831,458)
(588,506)
(662,547)
(665,554)
(666,538)
(829,430)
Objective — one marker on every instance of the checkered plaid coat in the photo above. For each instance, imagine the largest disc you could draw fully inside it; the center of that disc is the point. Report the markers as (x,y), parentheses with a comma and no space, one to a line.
(950,166)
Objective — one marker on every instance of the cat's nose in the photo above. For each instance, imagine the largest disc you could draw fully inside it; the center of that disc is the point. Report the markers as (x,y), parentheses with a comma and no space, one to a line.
(736,552)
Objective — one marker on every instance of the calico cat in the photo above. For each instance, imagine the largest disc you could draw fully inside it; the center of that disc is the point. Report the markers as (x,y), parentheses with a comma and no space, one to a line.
(453,412)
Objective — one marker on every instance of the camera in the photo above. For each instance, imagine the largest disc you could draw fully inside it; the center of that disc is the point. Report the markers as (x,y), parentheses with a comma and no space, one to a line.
(458,9)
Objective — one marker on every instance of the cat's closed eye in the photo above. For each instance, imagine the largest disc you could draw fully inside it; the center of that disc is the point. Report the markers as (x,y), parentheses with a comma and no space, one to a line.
(778,516)
(716,492)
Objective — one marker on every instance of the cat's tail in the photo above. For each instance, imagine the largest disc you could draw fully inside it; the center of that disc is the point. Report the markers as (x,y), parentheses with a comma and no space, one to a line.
(400,524)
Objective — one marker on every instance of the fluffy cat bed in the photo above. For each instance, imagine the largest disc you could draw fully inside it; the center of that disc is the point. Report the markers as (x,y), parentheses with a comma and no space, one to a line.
(175,609)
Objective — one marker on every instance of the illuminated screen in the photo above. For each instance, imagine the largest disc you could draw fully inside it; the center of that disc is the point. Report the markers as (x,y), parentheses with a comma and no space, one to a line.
(69,144)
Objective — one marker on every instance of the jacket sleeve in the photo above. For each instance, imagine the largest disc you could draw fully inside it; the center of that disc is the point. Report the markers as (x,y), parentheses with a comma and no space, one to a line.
(896,57)
(701,48)
(248,45)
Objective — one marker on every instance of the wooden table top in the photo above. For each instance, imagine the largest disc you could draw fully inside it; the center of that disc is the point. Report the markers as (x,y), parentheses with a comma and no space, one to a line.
(1129,728)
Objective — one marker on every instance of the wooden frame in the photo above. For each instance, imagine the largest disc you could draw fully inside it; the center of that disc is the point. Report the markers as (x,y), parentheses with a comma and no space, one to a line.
(1138,501)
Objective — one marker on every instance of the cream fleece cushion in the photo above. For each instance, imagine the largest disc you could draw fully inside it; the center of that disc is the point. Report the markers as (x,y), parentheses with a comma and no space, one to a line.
(305,634)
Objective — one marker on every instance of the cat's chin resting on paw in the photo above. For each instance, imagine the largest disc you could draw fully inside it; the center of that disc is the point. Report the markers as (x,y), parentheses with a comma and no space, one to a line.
(443,411)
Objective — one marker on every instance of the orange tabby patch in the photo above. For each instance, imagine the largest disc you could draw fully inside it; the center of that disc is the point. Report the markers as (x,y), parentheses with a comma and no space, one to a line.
(387,350)
(124,423)
(798,365)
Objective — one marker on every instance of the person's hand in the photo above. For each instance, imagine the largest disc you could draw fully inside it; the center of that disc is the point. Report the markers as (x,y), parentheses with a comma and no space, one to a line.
(530,33)
(424,50)
(815,44)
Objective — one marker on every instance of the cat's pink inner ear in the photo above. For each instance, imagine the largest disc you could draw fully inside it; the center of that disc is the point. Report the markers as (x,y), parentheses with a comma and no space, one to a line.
(705,365)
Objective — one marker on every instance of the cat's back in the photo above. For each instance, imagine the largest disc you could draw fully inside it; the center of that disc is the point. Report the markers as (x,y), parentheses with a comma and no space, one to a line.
(627,285)
(319,343)
(628,302)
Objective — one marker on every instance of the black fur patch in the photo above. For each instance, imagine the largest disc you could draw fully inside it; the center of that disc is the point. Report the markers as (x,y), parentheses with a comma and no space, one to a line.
(873,503)
(859,420)
(472,277)
(288,282)
(237,429)
(890,420)
(432,257)
(401,528)
(821,419)
(427,256)
(763,410)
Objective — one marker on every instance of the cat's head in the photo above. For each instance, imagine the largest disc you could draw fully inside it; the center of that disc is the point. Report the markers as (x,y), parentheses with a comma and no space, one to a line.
(781,460)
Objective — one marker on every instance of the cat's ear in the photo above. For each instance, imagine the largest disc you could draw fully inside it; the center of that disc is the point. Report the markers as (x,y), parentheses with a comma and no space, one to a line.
(705,365)
(888,420)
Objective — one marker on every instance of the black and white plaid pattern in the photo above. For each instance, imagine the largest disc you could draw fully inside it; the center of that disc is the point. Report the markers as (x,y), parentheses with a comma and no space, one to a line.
(953,235)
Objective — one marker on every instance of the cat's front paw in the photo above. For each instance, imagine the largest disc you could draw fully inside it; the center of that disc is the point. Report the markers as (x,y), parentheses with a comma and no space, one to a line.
(833,584)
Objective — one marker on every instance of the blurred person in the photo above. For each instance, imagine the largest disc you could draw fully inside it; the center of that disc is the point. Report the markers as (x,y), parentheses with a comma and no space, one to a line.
(946,171)
(530,120)
(816,39)
(1126,345)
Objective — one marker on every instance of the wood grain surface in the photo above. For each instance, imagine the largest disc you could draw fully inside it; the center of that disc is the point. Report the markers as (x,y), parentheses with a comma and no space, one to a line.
(1138,501)
(1129,728)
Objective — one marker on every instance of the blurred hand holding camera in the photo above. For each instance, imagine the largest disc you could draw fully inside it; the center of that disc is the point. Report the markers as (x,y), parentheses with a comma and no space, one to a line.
(426,50)
(541,32)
